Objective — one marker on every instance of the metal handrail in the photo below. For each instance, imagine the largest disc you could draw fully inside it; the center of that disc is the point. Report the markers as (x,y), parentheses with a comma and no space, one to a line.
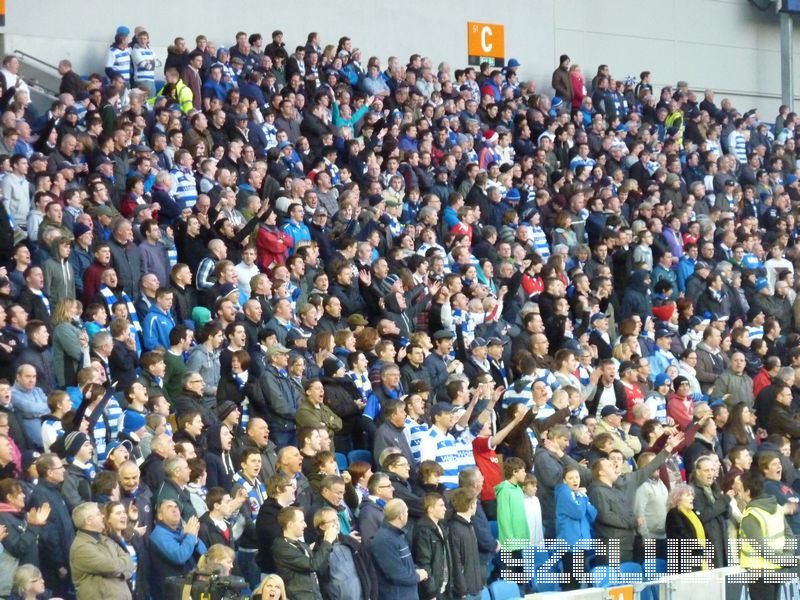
(38,60)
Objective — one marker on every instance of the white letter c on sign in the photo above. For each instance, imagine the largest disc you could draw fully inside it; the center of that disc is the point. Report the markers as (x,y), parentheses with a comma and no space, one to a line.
(486,33)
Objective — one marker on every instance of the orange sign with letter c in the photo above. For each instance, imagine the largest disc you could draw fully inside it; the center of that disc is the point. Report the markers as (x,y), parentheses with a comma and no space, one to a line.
(486,39)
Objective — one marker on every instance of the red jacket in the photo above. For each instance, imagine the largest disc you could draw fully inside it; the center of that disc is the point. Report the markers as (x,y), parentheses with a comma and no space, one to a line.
(273,246)
(760,381)
(681,409)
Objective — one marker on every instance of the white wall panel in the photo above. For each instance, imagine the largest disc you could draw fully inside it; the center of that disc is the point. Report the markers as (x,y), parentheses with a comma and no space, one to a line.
(725,44)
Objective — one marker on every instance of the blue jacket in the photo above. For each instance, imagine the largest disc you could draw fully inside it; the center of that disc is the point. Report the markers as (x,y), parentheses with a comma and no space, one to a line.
(172,553)
(397,574)
(574,515)
(157,325)
(685,270)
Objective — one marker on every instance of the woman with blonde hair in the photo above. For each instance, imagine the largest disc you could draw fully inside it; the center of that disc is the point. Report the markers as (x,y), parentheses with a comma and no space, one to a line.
(70,342)
(578,85)
(271,588)
(28,584)
(219,559)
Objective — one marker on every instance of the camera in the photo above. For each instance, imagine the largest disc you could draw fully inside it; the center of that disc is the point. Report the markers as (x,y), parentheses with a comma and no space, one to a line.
(206,585)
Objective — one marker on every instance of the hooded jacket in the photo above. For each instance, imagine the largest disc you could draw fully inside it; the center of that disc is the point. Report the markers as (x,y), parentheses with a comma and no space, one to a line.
(636,299)
(207,364)
(59,278)
(512,522)
(216,459)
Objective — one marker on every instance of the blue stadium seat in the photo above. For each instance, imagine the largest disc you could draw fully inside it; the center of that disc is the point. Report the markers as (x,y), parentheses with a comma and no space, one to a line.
(603,576)
(659,565)
(341,461)
(632,569)
(355,455)
(485,595)
(504,590)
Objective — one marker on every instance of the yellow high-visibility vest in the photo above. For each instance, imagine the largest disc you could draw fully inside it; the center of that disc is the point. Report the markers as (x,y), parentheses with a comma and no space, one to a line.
(772,537)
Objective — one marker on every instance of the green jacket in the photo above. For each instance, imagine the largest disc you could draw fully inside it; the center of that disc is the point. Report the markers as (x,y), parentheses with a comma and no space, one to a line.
(176,367)
(512,522)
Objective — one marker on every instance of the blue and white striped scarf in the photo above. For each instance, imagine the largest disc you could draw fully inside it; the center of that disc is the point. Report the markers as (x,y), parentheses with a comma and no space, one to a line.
(256,493)
(241,380)
(111,299)
(362,383)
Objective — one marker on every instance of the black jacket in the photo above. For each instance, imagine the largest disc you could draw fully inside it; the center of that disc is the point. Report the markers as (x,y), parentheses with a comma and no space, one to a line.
(185,301)
(298,566)
(123,362)
(340,396)
(152,470)
(267,531)
(57,535)
(21,541)
(210,534)
(713,515)
(431,553)
(619,394)
(34,306)
(403,490)
(679,527)
(467,575)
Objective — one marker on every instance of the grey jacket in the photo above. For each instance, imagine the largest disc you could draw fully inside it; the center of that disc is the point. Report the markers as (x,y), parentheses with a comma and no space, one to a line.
(710,365)
(740,388)
(207,364)
(59,280)
(615,506)
(127,262)
(156,261)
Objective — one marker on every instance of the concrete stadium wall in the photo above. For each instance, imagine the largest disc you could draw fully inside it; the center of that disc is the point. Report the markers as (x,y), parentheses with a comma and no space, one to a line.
(727,45)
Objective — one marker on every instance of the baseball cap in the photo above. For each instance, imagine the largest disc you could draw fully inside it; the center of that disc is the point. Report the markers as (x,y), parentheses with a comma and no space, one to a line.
(478,342)
(442,407)
(662,333)
(611,410)
(296,334)
(598,316)
(495,341)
